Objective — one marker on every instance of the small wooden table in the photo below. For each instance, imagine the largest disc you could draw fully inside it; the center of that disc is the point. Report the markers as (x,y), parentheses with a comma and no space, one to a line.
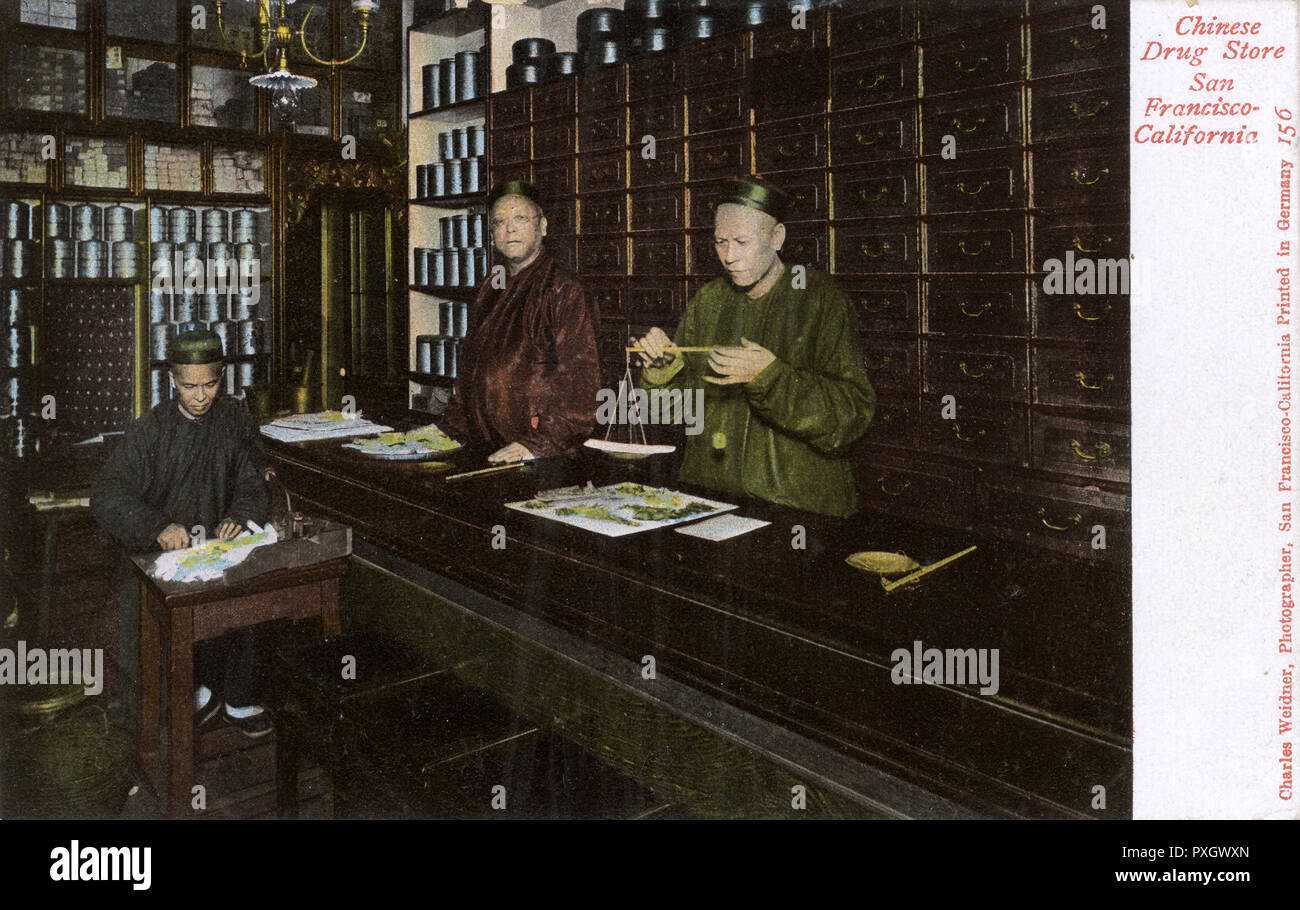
(174,616)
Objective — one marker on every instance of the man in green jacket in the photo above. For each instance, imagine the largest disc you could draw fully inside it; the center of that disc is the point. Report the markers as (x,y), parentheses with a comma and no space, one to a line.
(785,390)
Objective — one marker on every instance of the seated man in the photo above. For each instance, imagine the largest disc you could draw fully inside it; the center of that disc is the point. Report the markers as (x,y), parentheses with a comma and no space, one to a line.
(196,461)
(528,370)
(788,394)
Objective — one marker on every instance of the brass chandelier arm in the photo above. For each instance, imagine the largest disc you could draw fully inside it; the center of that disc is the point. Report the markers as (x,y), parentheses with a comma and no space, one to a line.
(263,32)
(365,32)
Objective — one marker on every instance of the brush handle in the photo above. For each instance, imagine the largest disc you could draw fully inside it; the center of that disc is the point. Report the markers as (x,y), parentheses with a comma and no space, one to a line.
(673,348)
(891,585)
(492,470)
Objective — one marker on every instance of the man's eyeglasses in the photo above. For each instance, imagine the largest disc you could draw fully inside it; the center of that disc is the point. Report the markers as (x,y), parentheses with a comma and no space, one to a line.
(518,222)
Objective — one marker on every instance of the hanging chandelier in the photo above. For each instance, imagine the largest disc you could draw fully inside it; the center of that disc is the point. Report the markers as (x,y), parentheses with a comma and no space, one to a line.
(275,34)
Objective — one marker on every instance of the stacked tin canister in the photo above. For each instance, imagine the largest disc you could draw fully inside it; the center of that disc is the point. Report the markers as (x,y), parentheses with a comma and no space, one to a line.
(18,254)
(460,261)
(461,167)
(206,271)
(453,79)
(437,355)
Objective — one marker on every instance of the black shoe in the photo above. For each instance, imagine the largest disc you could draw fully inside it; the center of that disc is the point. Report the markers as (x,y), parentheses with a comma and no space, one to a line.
(254,727)
(208,711)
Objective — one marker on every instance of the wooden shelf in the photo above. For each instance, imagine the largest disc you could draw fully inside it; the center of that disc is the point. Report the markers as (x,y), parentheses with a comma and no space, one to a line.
(430,379)
(457,108)
(460,200)
(461,295)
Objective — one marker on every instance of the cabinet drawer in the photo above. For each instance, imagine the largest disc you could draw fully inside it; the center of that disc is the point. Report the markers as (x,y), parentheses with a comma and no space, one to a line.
(658,210)
(806,245)
(703,199)
(779,39)
(660,303)
(915,488)
(891,363)
(1069,44)
(602,88)
(989,244)
(879,246)
(853,31)
(974,306)
(1085,448)
(807,192)
(1081,378)
(777,96)
(873,134)
(554,138)
(511,108)
(791,145)
(665,167)
(608,296)
(1080,177)
(976,183)
(658,255)
(660,74)
(1079,107)
(1080,317)
(1055,236)
(604,213)
(555,178)
(564,249)
(560,216)
(877,191)
(991,120)
(555,99)
(602,256)
(883,305)
(718,107)
(874,78)
(988,432)
(982,369)
(894,423)
(939,17)
(723,155)
(604,171)
(966,63)
(661,118)
(511,145)
(1058,516)
(715,61)
(603,129)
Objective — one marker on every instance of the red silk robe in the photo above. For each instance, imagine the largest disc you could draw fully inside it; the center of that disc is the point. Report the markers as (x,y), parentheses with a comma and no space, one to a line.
(528,370)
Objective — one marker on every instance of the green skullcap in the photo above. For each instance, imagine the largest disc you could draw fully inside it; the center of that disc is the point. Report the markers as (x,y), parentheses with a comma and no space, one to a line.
(757,194)
(515,188)
(195,346)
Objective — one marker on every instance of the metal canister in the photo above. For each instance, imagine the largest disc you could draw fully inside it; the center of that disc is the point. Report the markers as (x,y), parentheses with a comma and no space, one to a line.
(420,267)
(17,396)
(86,222)
(21,258)
(451,268)
(214,307)
(62,256)
(56,220)
(446,232)
(247,374)
(461,136)
(424,353)
(481,255)
(437,272)
(438,180)
(125,262)
(158,219)
(468,276)
(243,305)
(247,252)
(17,309)
(461,230)
(250,337)
(162,268)
(216,226)
(119,224)
(223,331)
(451,353)
(467,75)
(447,145)
(455,177)
(182,225)
(460,317)
(447,81)
(429,98)
(477,141)
(159,337)
(422,181)
(222,271)
(243,226)
(232,381)
(477,229)
(92,259)
(17,221)
(438,356)
(17,347)
(160,389)
(444,317)
(160,307)
(473,175)
(186,307)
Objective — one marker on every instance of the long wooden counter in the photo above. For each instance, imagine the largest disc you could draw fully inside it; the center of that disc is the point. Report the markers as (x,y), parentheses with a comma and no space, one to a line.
(791,635)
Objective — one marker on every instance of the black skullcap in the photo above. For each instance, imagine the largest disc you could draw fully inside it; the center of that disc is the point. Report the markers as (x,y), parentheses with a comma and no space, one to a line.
(195,346)
(757,194)
(515,188)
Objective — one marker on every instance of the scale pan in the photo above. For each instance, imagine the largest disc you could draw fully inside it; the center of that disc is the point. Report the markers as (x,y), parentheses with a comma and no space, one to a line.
(880,563)
(628,451)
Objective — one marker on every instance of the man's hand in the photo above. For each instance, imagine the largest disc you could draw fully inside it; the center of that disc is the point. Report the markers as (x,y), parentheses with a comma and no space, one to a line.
(228,529)
(174,537)
(511,453)
(739,364)
(654,348)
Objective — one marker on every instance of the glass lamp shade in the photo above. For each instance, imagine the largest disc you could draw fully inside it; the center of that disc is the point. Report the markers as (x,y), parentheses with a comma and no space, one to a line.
(284,87)
(368,5)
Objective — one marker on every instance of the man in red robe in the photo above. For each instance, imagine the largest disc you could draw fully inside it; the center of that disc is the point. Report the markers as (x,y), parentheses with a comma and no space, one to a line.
(528,370)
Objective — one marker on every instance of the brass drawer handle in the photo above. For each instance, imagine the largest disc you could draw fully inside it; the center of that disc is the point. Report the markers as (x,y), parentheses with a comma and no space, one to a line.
(785,151)
(1078,311)
(784,47)
(957,125)
(961,188)
(863,140)
(862,82)
(710,109)
(961,245)
(1083,381)
(1083,115)
(880,251)
(715,157)
(884,305)
(1102,449)
(880,481)
(983,308)
(876,197)
(1078,177)
(1071,521)
(957,64)
(956,431)
(1078,245)
(1080,46)
(878,364)
(967,372)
